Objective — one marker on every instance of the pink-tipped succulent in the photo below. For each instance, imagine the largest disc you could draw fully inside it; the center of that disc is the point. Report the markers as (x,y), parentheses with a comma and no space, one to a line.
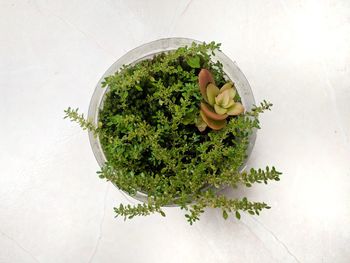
(218,103)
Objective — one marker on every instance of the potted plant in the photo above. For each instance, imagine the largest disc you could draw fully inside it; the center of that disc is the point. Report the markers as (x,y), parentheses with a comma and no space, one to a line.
(172,122)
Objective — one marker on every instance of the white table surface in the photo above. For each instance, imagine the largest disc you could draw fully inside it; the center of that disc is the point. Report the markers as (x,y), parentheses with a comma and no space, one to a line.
(54,208)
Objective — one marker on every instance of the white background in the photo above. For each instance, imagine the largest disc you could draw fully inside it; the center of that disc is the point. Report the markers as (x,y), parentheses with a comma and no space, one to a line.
(54,208)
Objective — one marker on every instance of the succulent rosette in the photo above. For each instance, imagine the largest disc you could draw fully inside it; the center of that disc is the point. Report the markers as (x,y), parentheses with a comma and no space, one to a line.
(218,104)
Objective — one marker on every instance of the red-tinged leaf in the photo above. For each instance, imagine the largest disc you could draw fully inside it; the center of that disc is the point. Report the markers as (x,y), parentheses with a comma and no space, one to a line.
(213,124)
(210,113)
(204,78)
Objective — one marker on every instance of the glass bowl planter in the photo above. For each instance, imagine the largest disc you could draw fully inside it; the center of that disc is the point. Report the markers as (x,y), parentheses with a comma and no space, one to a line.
(147,51)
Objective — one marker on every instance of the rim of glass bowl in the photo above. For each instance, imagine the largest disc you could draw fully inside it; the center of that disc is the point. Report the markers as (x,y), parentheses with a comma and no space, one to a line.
(147,51)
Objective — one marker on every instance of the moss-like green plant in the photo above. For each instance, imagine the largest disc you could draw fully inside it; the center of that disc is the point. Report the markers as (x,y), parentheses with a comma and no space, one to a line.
(152,130)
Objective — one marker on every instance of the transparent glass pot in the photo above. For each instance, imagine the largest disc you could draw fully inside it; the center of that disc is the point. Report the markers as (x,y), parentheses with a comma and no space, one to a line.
(147,51)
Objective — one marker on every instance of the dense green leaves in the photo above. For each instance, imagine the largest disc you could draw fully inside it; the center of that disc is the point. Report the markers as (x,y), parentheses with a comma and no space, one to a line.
(148,133)
(193,62)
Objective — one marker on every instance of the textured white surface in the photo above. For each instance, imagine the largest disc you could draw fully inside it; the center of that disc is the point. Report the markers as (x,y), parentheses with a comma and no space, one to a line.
(54,208)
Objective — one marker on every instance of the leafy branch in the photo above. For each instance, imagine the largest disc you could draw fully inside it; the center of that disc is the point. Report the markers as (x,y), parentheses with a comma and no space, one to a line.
(226,204)
(128,211)
(233,178)
(74,116)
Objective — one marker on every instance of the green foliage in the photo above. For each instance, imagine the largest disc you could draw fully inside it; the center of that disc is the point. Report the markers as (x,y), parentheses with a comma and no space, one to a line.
(129,211)
(193,62)
(73,115)
(148,133)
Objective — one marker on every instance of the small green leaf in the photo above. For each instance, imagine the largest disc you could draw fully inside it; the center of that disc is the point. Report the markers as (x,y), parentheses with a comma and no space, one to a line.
(193,62)
(224,214)
(238,215)
(189,118)
(162,213)
(138,87)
